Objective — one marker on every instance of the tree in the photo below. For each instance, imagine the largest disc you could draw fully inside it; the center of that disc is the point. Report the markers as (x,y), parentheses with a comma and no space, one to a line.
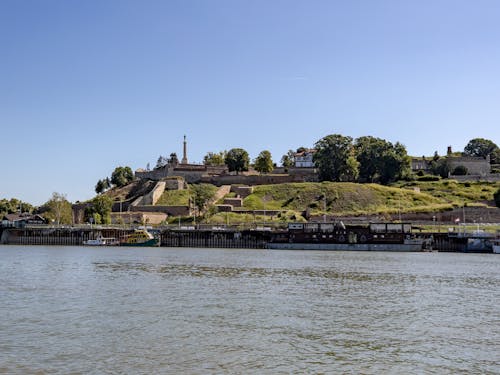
(496,196)
(460,170)
(100,209)
(380,160)
(214,159)
(161,162)
(441,167)
(173,159)
(264,162)
(237,160)
(59,209)
(121,176)
(13,205)
(288,160)
(495,156)
(480,147)
(202,193)
(397,164)
(99,187)
(352,171)
(331,158)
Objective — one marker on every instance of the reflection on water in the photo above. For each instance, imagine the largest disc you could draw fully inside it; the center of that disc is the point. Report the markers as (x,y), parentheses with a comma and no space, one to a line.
(112,310)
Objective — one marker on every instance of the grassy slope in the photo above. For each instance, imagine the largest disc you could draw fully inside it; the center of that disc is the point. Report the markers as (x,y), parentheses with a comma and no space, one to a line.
(174,198)
(342,198)
(358,199)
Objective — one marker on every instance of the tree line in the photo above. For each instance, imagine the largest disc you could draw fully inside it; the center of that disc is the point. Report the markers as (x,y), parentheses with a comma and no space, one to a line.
(342,158)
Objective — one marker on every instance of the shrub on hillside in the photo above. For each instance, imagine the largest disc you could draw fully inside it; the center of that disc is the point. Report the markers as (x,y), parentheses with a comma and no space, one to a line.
(460,170)
(428,178)
(497,197)
(495,170)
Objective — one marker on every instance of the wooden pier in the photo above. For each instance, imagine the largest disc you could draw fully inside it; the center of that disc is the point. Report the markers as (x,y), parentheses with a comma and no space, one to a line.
(215,239)
(201,238)
(57,236)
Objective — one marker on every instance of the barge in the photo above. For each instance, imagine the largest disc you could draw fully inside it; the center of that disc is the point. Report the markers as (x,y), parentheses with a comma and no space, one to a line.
(337,236)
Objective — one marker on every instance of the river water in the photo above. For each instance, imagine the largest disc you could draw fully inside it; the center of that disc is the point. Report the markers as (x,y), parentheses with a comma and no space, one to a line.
(203,311)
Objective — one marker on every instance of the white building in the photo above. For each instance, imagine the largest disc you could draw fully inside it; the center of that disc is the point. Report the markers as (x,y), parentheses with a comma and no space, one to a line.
(304,159)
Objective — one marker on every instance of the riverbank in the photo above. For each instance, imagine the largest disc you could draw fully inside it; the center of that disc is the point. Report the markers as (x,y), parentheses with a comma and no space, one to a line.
(228,237)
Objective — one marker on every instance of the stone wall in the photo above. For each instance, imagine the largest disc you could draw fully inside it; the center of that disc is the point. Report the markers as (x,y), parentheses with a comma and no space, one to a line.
(138,217)
(152,197)
(224,208)
(252,179)
(242,191)
(192,173)
(492,177)
(155,174)
(169,210)
(121,206)
(475,166)
(175,183)
(235,202)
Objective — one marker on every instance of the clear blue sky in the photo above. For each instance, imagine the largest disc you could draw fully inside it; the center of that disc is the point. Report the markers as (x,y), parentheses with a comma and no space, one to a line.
(86,86)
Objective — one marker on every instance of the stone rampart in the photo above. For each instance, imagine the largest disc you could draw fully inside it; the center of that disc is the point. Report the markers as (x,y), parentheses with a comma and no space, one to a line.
(169,210)
(235,202)
(138,217)
(492,177)
(252,179)
(174,183)
(224,208)
(192,173)
(474,165)
(155,174)
(152,197)
(242,191)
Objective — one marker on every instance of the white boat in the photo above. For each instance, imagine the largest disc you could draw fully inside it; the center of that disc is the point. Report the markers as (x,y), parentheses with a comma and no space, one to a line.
(496,246)
(101,241)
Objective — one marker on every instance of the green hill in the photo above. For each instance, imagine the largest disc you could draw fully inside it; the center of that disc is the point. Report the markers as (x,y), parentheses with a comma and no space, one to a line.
(334,199)
(351,199)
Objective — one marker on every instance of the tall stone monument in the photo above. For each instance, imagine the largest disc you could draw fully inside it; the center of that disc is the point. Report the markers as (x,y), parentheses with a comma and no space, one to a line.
(184,152)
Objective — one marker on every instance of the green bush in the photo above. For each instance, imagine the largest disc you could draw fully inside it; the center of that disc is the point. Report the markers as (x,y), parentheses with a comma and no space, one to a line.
(428,178)
(496,196)
(460,170)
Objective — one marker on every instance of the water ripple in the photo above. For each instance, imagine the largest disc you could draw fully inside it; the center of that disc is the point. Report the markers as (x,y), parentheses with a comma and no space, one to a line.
(80,310)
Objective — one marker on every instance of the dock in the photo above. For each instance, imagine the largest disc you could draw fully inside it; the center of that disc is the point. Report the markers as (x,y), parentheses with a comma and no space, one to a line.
(230,237)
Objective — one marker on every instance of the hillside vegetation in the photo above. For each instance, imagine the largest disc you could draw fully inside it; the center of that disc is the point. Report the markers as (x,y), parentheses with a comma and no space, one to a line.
(358,199)
(330,198)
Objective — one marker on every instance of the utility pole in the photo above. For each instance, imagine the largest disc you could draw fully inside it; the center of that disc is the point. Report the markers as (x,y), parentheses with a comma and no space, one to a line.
(324,208)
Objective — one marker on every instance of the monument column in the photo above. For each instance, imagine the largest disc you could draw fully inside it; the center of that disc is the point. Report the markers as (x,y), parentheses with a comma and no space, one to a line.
(184,153)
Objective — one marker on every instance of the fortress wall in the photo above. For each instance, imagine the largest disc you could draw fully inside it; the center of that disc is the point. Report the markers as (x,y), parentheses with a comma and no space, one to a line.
(152,197)
(242,191)
(155,174)
(235,202)
(169,210)
(138,217)
(476,177)
(474,165)
(252,180)
(174,183)
(224,208)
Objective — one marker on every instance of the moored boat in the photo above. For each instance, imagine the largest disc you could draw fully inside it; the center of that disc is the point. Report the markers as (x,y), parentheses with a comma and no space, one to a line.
(140,237)
(101,241)
(337,236)
(496,245)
